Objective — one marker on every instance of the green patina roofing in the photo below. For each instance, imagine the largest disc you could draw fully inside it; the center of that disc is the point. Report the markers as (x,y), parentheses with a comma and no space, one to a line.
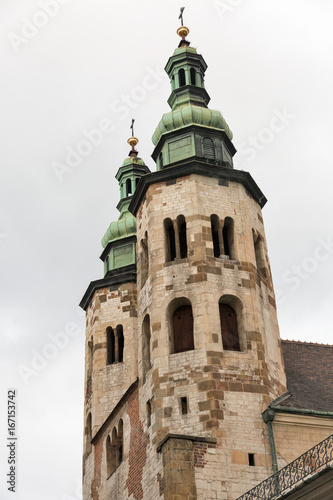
(123,227)
(136,161)
(132,168)
(190,114)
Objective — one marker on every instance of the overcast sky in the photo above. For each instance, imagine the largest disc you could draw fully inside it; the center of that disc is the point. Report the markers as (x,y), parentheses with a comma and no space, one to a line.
(74,66)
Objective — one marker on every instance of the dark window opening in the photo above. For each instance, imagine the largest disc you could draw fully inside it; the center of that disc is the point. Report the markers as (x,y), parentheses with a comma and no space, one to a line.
(182,236)
(208,148)
(148,409)
(120,337)
(259,251)
(215,224)
(144,259)
(110,346)
(251,460)
(137,181)
(170,240)
(160,157)
(146,363)
(192,74)
(228,238)
(128,187)
(183,404)
(229,328)
(225,233)
(114,450)
(183,329)
(107,263)
(181,76)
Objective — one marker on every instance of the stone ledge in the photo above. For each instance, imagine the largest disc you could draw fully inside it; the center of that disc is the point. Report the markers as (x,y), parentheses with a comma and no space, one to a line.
(200,439)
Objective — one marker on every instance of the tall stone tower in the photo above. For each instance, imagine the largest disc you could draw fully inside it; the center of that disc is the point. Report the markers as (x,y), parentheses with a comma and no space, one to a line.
(182,342)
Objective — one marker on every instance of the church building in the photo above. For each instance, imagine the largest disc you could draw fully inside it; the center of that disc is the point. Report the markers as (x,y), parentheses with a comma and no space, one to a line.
(189,391)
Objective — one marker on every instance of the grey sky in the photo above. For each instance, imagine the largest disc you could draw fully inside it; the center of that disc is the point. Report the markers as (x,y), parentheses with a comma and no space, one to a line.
(93,64)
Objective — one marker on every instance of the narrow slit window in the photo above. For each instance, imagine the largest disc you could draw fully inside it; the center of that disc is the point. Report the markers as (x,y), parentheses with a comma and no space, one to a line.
(228,238)
(259,251)
(160,157)
(110,346)
(128,187)
(182,236)
(181,76)
(148,409)
(144,259)
(192,74)
(251,460)
(146,363)
(120,336)
(170,240)
(183,405)
(215,225)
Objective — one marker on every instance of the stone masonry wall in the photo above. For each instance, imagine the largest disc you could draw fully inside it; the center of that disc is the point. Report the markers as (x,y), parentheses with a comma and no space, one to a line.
(226,390)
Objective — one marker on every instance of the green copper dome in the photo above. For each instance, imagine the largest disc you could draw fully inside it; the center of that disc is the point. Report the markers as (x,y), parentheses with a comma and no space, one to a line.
(190,115)
(134,161)
(125,226)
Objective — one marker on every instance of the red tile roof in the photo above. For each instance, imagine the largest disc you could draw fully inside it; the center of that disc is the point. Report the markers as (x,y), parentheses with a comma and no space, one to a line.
(309,370)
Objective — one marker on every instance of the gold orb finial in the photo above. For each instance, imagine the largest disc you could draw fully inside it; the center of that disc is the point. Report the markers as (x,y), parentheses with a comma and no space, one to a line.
(132,141)
(183,31)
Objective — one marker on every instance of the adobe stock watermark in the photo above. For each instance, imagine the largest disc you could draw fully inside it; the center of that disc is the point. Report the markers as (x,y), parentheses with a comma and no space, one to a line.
(223,7)
(256,143)
(93,138)
(40,359)
(298,273)
(30,28)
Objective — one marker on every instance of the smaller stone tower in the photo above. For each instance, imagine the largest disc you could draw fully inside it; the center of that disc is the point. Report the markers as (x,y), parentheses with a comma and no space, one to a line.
(110,304)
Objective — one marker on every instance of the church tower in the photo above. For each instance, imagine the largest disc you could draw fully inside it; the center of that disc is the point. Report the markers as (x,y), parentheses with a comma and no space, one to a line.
(183,350)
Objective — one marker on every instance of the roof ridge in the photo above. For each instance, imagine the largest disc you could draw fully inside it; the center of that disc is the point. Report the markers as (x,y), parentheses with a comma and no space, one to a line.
(304,342)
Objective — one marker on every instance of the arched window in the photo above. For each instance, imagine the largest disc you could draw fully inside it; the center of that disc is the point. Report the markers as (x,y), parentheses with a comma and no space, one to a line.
(229,328)
(192,74)
(110,346)
(170,244)
(208,148)
(146,363)
(120,338)
(215,225)
(114,449)
(160,158)
(181,223)
(144,259)
(88,433)
(128,187)
(182,323)
(228,238)
(259,250)
(181,77)
(110,457)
